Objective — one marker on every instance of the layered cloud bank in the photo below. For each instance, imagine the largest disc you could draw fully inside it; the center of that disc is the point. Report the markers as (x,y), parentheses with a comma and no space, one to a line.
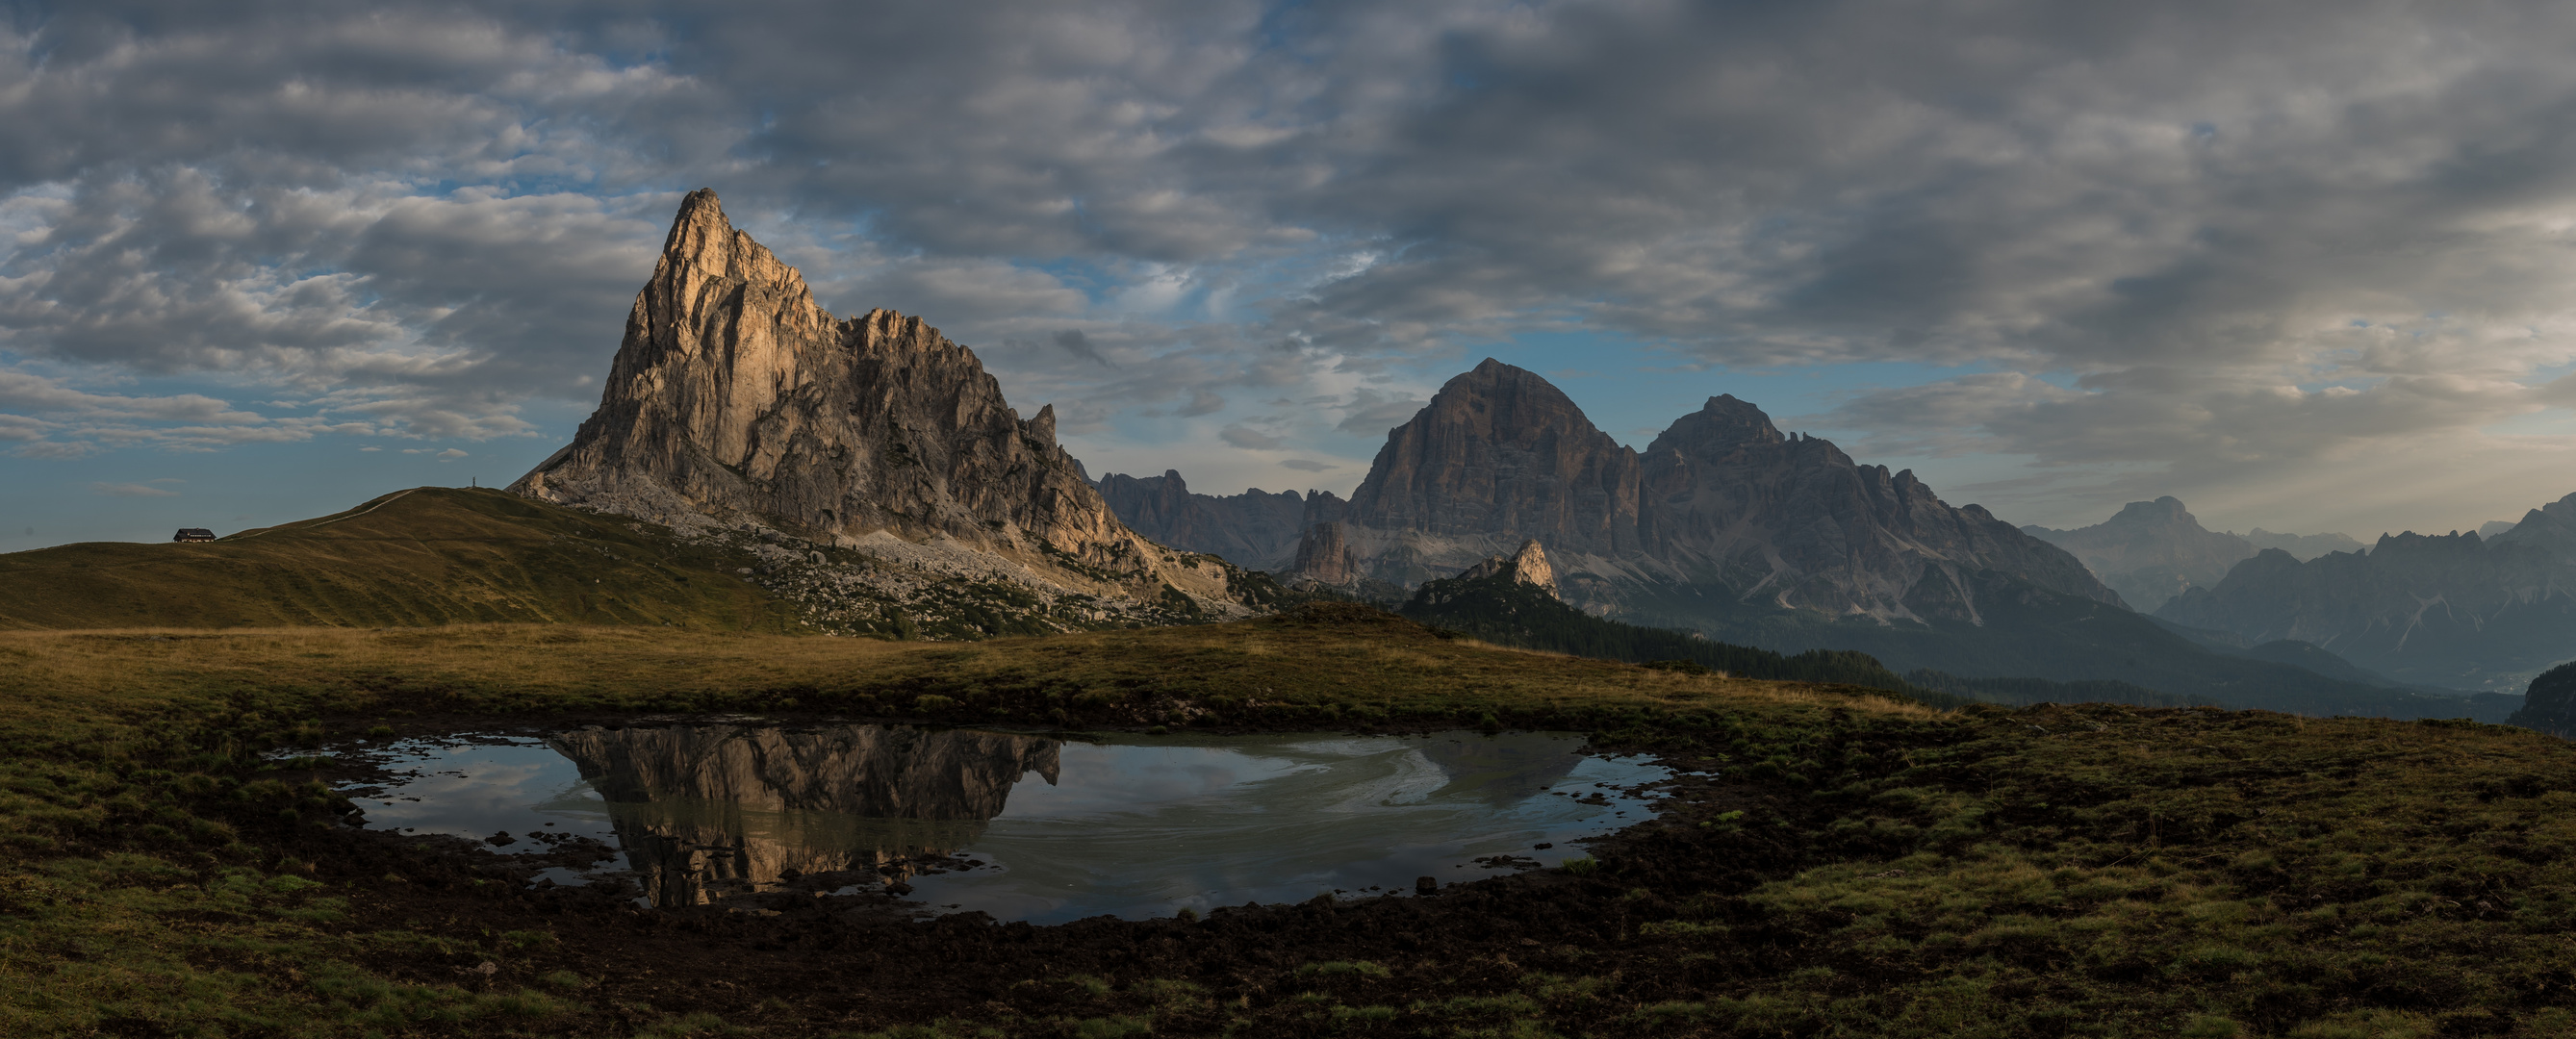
(2302,264)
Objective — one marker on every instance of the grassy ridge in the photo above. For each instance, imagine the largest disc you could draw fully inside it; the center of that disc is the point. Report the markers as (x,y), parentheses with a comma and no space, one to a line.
(427,556)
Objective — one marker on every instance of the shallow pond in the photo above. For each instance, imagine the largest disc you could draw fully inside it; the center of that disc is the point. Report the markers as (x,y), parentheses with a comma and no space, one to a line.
(1021,826)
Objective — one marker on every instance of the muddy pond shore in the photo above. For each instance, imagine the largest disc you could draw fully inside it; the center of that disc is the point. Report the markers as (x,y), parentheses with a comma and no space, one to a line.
(817,957)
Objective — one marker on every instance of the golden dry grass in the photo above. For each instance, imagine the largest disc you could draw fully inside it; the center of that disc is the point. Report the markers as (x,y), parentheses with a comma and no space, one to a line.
(1377,664)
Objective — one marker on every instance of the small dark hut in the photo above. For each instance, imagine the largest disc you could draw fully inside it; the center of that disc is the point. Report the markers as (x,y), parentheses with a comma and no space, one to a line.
(193,534)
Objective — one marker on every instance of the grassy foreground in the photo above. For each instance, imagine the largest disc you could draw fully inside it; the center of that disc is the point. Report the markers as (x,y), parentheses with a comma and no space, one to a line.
(1860,866)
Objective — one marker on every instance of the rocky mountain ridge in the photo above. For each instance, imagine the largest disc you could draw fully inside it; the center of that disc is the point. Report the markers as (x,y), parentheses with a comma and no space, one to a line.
(2453,610)
(2152,551)
(1722,505)
(1255,529)
(2303,547)
(738,408)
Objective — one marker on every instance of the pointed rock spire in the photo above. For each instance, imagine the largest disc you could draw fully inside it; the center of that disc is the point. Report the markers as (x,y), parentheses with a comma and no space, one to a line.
(1527,566)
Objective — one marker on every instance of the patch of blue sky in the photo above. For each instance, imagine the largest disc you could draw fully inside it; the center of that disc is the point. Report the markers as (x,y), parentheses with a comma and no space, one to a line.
(2549,373)
(1633,390)
(141,477)
(144,494)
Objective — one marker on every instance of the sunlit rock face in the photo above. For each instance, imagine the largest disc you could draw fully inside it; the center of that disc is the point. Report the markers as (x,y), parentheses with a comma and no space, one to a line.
(1527,566)
(736,400)
(710,810)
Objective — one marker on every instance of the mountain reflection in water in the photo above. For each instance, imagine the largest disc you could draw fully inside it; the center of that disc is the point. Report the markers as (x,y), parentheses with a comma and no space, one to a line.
(1499,772)
(709,810)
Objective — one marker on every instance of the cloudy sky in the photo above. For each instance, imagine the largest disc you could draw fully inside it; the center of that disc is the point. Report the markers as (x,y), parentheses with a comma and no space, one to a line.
(2305,265)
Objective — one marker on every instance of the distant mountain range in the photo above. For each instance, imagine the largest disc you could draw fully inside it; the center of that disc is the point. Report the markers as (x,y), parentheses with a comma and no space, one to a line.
(2455,610)
(1255,528)
(1513,601)
(1728,528)
(2152,551)
(2480,611)
(1721,506)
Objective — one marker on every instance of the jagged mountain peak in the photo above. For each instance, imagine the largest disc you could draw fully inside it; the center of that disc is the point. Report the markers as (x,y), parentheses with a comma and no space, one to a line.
(701,234)
(735,402)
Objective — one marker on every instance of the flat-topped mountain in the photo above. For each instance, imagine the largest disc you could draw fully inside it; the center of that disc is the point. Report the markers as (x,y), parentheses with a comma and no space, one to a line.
(738,403)
(1722,503)
(2150,551)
